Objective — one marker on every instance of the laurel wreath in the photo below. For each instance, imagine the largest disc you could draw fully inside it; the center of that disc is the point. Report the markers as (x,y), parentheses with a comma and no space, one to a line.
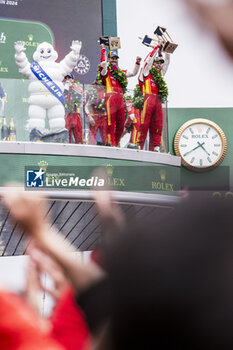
(162,86)
(138,98)
(119,75)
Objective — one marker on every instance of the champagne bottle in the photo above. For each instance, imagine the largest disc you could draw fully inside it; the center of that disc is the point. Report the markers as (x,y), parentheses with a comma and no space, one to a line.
(4,130)
(12,131)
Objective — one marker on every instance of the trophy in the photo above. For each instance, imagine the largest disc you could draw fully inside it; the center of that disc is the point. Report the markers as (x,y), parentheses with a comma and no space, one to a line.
(113,43)
(168,45)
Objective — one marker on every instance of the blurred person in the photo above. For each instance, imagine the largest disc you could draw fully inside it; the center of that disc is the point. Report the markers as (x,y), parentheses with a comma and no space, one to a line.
(3,99)
(110,214)
(170,284)
(68,325)
(167,285)
(28,209)
(132,122)
(73,102)
(218,17)
(21,327)
(132,125)
(96,111)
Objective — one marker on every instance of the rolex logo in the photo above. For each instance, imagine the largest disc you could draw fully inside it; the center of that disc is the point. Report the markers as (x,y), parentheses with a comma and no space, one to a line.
(199,129)
(43,165)
(162,174)
(109,169)
(30,37)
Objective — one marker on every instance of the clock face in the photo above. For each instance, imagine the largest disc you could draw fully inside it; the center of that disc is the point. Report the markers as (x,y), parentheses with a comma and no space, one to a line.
(201,144)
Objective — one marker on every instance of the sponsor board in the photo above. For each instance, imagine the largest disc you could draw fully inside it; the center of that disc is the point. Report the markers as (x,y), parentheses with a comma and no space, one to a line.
(31,33)
(123,178)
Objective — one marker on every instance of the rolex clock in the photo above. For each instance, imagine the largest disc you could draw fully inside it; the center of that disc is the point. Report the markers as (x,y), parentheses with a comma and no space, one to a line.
(201,144)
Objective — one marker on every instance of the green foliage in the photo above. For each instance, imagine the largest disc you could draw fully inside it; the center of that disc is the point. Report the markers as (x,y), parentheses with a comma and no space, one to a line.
(127,98)
(138,98)
(119,75)
(162,86)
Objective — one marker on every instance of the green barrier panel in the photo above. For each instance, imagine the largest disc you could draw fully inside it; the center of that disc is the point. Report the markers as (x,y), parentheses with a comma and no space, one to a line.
(122,175)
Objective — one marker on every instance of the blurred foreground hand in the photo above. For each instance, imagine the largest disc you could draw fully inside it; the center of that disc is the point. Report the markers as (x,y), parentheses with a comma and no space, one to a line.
(219,19)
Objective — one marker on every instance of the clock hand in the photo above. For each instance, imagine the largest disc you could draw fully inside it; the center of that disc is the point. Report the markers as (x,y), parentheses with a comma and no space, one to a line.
(203,147)
(199,145)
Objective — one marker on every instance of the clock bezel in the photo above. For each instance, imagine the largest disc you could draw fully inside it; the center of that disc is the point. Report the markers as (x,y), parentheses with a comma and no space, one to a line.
(218,130)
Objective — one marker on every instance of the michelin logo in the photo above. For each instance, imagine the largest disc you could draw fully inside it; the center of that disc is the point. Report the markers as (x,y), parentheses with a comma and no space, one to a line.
(35,178)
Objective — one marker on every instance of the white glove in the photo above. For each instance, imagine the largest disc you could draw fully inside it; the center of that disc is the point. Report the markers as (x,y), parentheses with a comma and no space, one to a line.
(76,46)
(19,46)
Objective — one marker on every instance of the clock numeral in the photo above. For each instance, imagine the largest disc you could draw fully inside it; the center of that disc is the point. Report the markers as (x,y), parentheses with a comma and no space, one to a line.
(201,162)
(183,145)
(214,137)
(209,160)
(207,131)
(217,145)
(192,160)
(191,130)
(185,137)
(214,153)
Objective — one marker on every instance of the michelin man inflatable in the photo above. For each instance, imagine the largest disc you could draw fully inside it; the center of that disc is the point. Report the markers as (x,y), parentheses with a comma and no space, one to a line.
(46,87)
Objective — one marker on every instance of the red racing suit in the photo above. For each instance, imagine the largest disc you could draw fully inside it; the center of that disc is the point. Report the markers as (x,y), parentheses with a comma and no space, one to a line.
(114,102)
(152,114)
(132,122)
(73,123)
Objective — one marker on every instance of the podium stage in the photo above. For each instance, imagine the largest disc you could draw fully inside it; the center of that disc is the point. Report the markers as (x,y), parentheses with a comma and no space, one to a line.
(144,183)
